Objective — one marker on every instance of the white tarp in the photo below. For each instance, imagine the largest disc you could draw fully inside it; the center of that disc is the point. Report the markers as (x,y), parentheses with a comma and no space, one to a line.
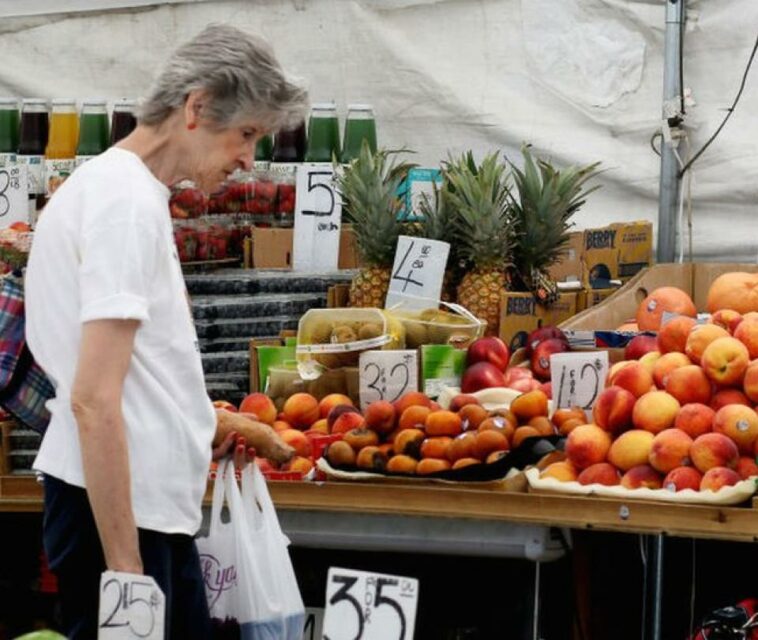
(580,79)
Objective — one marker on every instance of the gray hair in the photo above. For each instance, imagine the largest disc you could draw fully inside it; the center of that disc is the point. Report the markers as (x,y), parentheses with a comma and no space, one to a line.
(241,75)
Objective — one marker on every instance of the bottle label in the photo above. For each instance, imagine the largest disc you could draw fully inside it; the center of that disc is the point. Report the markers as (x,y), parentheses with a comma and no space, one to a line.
(35,174)
(56,172)
(7,160)
(80,160)
(284,168)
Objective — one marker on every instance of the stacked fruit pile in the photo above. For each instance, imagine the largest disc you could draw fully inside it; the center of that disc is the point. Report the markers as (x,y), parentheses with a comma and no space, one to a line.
(683,415)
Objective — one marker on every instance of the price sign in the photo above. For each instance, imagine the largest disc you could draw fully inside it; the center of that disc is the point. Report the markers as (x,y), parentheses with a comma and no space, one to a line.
(14,199)
(417,273)
(318,219)
(369,606)
(387,375)
(578,378)
(131,607)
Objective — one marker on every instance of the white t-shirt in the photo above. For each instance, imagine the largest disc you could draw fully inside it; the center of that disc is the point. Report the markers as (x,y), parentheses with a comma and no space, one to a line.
(104,249)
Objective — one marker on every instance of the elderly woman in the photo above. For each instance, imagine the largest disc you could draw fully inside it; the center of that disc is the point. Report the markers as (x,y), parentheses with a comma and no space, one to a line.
(125,458)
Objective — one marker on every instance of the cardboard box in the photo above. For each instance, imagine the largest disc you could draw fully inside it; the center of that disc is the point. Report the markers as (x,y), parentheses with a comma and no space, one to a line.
(593,297)
(520,314)
(272,248)
(570,266)
(616,252)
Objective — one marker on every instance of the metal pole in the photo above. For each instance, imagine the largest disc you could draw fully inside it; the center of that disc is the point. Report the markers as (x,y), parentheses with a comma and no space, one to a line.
(654,596)
(672,90)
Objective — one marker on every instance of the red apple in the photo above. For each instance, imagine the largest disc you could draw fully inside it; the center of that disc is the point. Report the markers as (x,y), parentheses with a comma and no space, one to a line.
(639,346)
(547,388)
(490,349)
(541,356)
(517,373)
(482,375)
(542,334)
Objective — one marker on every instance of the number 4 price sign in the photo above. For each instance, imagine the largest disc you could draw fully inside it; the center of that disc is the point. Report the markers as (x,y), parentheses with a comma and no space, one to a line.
(369,606)
(417,273)
(578,378)
(131,607)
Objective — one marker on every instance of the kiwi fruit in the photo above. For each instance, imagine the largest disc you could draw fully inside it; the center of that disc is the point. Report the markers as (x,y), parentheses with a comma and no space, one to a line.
(370,330)
(343,333)
(321,332)
(415,335)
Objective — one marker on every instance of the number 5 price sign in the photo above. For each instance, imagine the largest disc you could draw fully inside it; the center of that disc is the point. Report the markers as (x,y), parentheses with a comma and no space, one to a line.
(369,606)
(578,378)
(386,375)
(131,607)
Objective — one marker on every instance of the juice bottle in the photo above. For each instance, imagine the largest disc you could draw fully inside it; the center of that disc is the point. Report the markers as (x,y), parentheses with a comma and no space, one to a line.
(124,120)
(94,136)
(359,126)
(323,133)
(289,144)
(31,150)
(8,131)
(60,152)
(264,149)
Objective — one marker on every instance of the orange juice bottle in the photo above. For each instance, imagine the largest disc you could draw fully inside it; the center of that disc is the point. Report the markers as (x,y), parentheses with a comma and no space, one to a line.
(60,153)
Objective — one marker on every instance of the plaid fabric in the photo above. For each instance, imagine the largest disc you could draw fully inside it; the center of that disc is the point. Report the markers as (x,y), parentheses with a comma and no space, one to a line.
(24,387)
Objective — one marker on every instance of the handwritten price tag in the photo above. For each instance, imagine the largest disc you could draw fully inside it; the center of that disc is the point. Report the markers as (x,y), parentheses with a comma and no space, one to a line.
(369,606)
(578,378)
(387,375)
(318,219)
(131,606)
(14,201)
(417,273)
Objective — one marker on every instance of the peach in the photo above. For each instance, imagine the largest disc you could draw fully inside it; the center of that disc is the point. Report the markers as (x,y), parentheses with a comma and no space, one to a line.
(340,454)
(298,441)
(642,476)
(689,384)
(725,361)
(465,462)
(333,400)
(746,467)
(695,419)
(463,446)
(347,422)
(719,477)
(298,464)
(486,442)
(747,333)
(670,450)
(634,377)
(728,319)
(724,397)
(472,415)
(521,434)
(402,464)
(630,449)
(529,405)
(380,416)
(649,359)
(543,425)
(587,444)
(655,411)
(666,364)
(337,411)
(361,437)
(700,337)
(569,425)
(281,425)
(301,410)
(437,447)
(613,409)
(408,442)
(443,423)
(495,456)
(461,400)
(371,459)
(431,465)
(320,426)
(411,399)
(673,335)
(227,406)
(750,382)
(740,423)
(563,471)
(713,450)
(600,473)
(561,415)
(414,417)
(262,406)
(498,423)
(682,478)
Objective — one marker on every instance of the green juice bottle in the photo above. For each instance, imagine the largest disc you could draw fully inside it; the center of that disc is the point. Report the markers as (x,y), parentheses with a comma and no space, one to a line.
(94,133)
(9,123)
(323,133)
(359,126)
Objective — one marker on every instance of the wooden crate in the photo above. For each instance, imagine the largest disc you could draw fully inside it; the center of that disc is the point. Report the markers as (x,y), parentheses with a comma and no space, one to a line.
(6,426)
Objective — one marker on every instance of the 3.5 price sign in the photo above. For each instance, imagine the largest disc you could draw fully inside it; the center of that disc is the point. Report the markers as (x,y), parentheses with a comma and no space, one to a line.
(131,607)
(14,201)
(387,375)
(578,378)
(369,606)
(318,219)
(417,273)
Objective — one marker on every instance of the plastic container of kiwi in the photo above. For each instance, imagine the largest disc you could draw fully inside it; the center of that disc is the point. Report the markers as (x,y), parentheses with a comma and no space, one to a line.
(335,338)
(455,326)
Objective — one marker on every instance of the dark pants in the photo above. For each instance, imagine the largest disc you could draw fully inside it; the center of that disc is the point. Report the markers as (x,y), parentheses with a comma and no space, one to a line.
(76,557)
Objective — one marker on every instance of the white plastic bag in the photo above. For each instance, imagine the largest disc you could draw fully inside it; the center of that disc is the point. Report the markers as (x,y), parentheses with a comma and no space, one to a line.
(247,570)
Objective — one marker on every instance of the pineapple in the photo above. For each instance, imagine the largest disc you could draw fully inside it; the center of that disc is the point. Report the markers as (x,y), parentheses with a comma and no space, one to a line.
(547,200)
(479,197)
(369,187)
(438,223)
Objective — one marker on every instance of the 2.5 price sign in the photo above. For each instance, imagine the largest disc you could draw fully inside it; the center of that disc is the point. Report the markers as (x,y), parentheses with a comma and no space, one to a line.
(132,607)
(369,606)
(387,375)
(417,273)
(578,378)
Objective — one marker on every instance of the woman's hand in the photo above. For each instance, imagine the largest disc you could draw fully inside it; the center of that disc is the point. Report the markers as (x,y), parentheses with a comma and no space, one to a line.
(258,435)
(234,444)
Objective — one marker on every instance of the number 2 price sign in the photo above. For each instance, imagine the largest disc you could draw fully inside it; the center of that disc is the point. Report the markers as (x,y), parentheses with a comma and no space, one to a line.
(369,606)
(318,219)
(14,202)
(131,607)
(578,378)
(387,375)
(417,273)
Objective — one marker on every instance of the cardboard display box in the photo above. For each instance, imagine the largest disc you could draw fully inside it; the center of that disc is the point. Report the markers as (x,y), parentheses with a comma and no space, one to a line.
(616,252)
(272,248)
(569,268)
(520,314)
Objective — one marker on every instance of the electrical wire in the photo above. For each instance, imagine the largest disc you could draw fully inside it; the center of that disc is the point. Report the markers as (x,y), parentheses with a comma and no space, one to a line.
(730,111)
(681,62)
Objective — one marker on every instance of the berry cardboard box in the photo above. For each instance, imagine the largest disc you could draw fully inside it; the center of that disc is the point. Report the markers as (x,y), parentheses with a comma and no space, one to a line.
(272,248)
